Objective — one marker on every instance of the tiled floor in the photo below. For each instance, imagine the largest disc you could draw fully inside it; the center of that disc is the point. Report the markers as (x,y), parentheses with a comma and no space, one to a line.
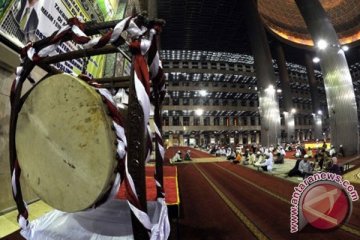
(8,222)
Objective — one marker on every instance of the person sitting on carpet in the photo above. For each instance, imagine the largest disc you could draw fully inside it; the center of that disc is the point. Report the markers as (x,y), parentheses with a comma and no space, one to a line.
(176,158)
(280,155)
(252,158)
(230,155)
(341,152)
(332,151)
(295,170)
(305,167)
(327,162)
(237,159)
(298,153)
(335,168)
(268,164)
(187,156)
(309,152)
(259,158)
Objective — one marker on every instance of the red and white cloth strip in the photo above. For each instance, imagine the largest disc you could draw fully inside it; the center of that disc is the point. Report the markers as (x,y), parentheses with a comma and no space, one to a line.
(158,80)
(140,47)
(72,31)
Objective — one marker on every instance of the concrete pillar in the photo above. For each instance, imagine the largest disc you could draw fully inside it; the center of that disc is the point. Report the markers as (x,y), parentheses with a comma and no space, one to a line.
(286,93)
(201,119)
(318,122)
(257,121)
(241,138)
(171,140)
(191,121)
(240,121)
(248,120)
(170,121)
(257,137)
(202,139)
(289,126)
(337,79)
(221,121)
(269,106)
(212,120)
(249,138)
(181,140)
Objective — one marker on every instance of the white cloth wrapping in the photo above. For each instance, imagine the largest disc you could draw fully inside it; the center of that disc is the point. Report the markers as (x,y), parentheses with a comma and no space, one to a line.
(110,221)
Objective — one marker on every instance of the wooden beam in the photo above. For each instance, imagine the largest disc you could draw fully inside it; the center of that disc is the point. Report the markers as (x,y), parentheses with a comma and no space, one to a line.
(80,54)
(113,79)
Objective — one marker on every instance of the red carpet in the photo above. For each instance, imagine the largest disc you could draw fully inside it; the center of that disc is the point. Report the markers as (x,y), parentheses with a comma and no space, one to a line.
(170,185)
(269,214)
(283,188)
(203,214)
(194,153)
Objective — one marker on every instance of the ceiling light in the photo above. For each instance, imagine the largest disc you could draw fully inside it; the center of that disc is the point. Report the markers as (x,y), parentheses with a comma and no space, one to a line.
(316,60)
(199,112)
(279,90)
(322,44)
(345,47)
(203,93)
(293,110)
(319,112)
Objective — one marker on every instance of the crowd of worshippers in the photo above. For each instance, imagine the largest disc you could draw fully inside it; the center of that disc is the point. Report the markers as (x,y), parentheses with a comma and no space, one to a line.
(178,157)
(307,162)
(255,155)
(324,160)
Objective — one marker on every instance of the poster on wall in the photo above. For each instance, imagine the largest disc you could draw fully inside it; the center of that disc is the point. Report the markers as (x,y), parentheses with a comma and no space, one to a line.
(112,9)
(4,6)
(32,20)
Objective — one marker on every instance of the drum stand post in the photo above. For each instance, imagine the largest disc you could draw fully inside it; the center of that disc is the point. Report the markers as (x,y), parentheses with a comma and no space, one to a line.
(135,128)
(137,155)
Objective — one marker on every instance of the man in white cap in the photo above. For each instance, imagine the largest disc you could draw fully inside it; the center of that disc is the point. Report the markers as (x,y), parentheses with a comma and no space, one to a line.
(305,167)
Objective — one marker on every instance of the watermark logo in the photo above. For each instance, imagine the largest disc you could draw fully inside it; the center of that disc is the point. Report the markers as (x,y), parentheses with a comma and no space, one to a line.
(323,200)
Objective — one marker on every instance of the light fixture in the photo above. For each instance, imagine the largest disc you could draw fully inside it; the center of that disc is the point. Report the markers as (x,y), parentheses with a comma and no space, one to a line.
(278,90)
(293,110)
(316,60)
(345,48)
(270,89)
(319,112)
(199,112)
(322,44)
(203,93)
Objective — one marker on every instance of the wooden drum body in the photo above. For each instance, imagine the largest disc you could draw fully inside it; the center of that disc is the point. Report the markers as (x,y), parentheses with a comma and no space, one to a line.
(65,143)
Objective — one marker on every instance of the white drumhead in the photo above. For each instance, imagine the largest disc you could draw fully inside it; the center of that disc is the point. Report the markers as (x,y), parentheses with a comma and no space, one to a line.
(65,144)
